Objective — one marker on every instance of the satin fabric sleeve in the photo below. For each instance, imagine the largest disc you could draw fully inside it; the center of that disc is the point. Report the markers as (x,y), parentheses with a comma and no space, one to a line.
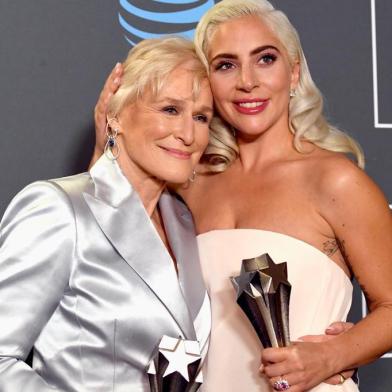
(37,246)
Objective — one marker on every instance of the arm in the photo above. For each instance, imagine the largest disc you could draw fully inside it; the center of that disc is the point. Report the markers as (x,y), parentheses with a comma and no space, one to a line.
(333,330)
(359,214)
(111,85)
(36,248)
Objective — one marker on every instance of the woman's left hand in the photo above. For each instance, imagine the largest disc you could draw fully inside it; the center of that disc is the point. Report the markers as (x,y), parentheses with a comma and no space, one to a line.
(302,364)
(334,330)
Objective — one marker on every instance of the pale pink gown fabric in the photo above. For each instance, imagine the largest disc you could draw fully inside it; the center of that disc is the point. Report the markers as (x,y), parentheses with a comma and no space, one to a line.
(321,293)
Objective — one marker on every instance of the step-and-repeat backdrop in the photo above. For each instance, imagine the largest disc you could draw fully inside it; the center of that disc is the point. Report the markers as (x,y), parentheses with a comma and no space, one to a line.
(55,55)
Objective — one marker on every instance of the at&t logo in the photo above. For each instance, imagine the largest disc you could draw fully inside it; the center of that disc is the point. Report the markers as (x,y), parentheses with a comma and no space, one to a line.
(143,19)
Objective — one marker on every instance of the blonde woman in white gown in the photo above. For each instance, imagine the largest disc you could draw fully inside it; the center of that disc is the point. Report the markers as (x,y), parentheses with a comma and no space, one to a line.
(282,184)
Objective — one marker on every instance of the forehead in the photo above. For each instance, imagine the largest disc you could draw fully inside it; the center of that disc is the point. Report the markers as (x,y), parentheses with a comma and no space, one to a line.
(240,34)
(184,83)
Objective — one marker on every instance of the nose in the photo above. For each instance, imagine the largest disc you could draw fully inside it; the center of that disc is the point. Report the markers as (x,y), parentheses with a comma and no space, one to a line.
(247,79)
(185,130)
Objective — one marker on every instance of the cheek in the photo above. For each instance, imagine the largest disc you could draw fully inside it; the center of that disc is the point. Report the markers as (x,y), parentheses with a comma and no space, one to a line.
(279,80)
(201,139)
(158,128)
(219,86)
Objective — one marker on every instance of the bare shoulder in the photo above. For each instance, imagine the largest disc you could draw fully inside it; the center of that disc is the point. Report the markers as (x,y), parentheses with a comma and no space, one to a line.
(345,192)
(340,178)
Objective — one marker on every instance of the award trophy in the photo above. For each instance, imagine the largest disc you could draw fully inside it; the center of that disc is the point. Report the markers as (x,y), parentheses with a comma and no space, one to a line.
(263,293)
(175,366)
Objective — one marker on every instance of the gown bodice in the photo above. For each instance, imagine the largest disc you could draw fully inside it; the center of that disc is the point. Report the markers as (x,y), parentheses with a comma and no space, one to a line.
(321,293)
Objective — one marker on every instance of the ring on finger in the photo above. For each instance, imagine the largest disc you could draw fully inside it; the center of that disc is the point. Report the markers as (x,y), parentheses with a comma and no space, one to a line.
(342,378)
(281,385)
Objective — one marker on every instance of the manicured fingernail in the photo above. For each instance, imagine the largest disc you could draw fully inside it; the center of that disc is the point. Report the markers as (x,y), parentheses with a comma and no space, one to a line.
(116,81)
(261,368)
(117,67)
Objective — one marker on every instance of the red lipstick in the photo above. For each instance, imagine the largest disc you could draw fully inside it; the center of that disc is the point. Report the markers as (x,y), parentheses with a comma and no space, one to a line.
(251,106)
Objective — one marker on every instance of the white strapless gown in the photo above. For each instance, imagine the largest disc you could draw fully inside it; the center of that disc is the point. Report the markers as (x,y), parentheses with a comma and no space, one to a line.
(321,293)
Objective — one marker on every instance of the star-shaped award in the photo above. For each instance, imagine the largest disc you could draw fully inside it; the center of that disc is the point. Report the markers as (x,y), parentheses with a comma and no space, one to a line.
(263,293)
(175,366)
(180,353)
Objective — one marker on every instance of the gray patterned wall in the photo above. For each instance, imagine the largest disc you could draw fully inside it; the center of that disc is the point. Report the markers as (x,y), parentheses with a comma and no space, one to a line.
(55,55)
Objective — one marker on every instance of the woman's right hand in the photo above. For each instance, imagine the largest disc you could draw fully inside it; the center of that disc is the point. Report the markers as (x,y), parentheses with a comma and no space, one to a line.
(100,111)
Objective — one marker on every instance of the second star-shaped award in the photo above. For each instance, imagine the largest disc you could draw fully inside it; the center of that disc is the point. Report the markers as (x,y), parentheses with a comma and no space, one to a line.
(175,366)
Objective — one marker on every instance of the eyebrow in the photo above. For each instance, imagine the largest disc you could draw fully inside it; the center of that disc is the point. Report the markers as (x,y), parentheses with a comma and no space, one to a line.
(171,100)
(207,109)
(179,102)
(252,52)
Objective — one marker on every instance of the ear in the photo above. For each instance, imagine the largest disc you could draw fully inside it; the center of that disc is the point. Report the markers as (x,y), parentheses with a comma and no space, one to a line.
(295,74)
(112,122)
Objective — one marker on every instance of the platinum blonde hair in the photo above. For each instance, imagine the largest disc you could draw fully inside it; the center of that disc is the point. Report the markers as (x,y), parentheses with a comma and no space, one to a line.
(306,118)
(149,64)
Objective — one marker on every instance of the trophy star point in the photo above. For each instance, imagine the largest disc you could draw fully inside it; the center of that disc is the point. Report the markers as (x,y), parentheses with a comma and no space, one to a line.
(278,273)
(265,281)
(243,280)
(179,360)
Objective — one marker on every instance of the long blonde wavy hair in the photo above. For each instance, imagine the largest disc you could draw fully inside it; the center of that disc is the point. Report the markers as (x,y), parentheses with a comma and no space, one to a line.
(306,118)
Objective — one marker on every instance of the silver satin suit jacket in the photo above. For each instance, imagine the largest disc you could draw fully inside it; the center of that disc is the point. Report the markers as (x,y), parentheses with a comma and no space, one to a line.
(86,281)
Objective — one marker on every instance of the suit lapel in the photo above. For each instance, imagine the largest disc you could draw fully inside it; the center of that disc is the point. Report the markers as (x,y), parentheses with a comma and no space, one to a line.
(120,214)
(180,231)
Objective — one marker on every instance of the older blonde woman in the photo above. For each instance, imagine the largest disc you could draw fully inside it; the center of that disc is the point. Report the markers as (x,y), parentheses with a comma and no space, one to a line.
(95,268)
(282,185)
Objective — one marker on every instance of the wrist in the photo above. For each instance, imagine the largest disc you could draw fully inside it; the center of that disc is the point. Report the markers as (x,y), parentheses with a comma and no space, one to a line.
(333,356)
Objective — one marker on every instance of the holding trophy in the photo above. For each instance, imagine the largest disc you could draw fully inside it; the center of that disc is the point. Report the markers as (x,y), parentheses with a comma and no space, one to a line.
(263,293)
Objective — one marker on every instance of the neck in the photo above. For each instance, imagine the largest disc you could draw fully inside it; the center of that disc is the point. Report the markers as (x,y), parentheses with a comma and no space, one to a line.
(149,188)
(272,145)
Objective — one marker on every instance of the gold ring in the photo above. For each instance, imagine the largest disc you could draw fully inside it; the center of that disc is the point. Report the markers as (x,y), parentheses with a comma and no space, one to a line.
(342,378)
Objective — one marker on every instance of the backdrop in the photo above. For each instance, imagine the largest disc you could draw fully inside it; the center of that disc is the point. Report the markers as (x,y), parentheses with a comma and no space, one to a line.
(55,55)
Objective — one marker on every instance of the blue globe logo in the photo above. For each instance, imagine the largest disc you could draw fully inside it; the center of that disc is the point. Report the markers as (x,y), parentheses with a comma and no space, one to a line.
(143,19)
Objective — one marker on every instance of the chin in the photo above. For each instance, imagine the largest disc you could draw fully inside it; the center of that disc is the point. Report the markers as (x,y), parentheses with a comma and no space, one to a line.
(175,178)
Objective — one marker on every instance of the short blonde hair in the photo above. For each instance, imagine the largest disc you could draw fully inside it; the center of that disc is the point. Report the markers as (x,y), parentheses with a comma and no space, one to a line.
(306,118)
(148,66)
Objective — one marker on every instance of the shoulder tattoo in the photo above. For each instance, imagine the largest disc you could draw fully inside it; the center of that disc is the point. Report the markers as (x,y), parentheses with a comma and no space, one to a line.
(330,247)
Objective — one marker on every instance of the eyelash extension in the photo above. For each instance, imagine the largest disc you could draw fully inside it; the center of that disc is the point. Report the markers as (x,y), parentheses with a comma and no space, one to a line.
(266,58)
(270,56)
(220,65)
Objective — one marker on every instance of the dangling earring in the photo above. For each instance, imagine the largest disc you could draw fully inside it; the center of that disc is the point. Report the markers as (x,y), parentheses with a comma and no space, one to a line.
(192,177)
(111,143)
(293,93)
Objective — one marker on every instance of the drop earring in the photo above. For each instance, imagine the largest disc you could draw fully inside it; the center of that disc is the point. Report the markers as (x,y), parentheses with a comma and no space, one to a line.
(112,149)
(192,177)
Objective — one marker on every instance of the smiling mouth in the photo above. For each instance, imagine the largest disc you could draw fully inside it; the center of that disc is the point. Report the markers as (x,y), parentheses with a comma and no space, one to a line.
(177,153)
(251,107)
